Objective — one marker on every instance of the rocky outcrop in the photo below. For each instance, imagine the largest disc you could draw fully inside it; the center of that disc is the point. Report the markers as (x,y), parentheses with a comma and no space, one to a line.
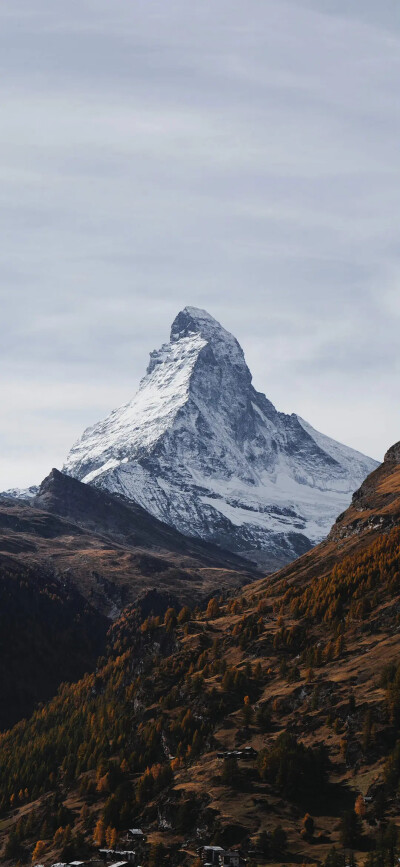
(392,455)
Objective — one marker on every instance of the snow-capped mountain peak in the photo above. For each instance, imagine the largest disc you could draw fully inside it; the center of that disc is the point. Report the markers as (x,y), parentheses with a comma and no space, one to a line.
(192,321)
(199,448)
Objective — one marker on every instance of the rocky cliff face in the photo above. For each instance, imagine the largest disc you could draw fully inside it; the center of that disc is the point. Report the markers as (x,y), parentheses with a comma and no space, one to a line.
(375,506)
(392,455)
(201,449)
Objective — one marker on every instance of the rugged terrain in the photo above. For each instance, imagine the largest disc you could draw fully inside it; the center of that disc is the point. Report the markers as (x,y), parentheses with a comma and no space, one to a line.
(302,666)
(111,550)
(202,450)
(71,559)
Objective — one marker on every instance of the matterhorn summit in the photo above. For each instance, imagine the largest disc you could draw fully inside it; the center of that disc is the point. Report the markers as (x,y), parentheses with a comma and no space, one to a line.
(202,450)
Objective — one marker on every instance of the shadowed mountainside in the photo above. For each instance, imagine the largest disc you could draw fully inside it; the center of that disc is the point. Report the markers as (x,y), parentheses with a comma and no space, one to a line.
(111,550)
(67,572)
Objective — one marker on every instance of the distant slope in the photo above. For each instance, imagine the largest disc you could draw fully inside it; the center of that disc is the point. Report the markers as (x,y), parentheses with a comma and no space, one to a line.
(202,450)
(124,521)
(112,551)
(26,494)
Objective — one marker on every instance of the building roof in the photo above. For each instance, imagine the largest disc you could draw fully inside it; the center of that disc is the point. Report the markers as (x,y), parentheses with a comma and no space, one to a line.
(215,848)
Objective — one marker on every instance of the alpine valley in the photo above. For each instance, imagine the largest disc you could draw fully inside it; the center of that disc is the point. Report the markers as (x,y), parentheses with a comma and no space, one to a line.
(199,448)
(167,698)
(265,724)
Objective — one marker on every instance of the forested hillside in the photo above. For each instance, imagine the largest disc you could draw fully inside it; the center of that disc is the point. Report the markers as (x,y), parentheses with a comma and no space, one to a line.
(48,633)
(302,667)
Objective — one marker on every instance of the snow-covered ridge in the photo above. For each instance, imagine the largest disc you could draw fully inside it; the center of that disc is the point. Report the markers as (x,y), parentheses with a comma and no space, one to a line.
(20,493)
(143,420)
(201,449)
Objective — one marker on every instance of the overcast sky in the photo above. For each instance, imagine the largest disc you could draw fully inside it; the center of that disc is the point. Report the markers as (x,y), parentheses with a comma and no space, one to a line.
(237,155)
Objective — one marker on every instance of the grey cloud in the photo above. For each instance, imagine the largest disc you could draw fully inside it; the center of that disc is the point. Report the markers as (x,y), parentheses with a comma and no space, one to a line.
(241,157)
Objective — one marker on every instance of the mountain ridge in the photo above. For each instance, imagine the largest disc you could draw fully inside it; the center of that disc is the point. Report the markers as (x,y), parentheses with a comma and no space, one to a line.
(122,520)
(112,551)
(71,560)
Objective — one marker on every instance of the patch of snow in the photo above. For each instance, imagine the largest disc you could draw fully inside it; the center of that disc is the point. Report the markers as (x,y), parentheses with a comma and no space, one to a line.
(21,493)
(142,421)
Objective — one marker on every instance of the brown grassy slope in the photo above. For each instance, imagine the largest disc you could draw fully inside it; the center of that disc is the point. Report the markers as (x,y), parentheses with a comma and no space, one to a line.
(371,642)
(321,690)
